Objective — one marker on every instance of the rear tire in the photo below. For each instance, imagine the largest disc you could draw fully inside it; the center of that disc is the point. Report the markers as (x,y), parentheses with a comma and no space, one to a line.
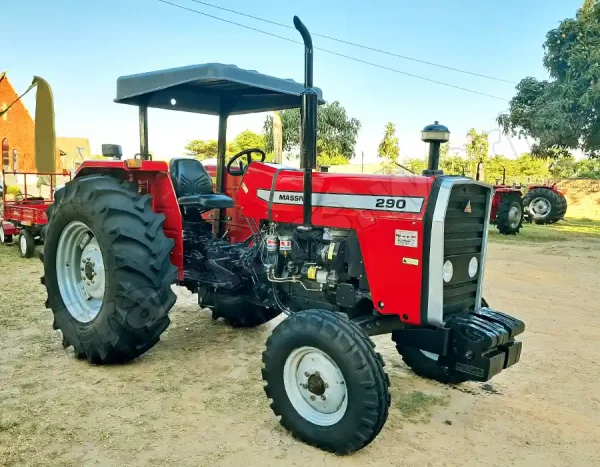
(326,381)
(26,243)
(509,217)
(545,206)
(132,257)
(240,313)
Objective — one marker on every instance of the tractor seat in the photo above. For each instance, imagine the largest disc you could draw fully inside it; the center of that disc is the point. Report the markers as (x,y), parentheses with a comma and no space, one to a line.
(193,185)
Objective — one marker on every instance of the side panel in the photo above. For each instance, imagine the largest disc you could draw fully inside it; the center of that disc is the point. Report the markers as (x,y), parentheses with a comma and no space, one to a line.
(152,177)
(385,211)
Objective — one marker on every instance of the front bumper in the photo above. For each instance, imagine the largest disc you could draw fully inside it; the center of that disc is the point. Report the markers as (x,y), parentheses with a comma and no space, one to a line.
(482,344)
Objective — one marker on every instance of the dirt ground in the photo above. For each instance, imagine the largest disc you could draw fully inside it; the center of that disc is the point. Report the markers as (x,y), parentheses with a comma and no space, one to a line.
(196,399)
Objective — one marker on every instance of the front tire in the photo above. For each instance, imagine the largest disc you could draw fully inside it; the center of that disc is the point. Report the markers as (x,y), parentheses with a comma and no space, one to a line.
(107,269)
(509,217)
(26,243)
(4,238)
(326,381)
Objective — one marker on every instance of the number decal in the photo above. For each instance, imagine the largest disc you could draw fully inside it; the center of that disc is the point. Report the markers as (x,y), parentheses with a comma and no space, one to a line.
(390,203)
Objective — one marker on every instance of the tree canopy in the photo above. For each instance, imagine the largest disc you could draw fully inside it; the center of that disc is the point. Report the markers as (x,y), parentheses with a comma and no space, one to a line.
(207,149)
(389,150)
(562,113)
(336,133)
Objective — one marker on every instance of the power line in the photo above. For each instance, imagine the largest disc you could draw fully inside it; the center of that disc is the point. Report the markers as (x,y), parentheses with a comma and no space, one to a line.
(354,44)
(335,53)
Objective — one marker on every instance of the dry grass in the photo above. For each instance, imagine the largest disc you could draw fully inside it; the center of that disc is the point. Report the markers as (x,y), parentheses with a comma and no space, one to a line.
(196,399)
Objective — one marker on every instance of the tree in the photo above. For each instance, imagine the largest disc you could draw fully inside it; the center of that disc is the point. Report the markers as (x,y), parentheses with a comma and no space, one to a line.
(202,149)
(245,140)
(416,165)
(389,150)
(336,132)
(563,113)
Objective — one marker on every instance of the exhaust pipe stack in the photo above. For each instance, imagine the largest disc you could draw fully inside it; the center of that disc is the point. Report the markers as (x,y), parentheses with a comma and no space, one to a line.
(308,124)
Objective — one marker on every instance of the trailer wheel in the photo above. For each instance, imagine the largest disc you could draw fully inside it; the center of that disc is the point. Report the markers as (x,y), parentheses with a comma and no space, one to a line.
(326,381)
(26,243)
(545,206)
(107,269)
(426,364)
(4,238)
(509,217)
(239,313)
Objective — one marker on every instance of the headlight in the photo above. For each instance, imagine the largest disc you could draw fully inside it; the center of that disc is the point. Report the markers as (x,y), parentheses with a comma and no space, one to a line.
(448,271)
(473,267)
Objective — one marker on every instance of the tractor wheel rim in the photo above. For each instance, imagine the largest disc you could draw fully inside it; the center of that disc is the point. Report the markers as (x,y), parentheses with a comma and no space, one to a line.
(23,244)
(540,207)
(1,234)
(80,272)
(315,386)
(431,355)
(514,216)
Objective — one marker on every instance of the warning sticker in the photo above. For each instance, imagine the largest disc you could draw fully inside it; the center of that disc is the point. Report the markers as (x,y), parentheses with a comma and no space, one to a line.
(244,187)
(408,238)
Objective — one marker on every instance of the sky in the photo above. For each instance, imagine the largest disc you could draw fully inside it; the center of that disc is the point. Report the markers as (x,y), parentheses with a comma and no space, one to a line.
(81,47)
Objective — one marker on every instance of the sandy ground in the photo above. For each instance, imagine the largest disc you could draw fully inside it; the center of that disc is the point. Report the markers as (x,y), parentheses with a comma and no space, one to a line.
(196,399)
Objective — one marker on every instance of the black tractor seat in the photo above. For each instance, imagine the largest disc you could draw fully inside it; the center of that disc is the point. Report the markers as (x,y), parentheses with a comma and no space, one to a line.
(193,185)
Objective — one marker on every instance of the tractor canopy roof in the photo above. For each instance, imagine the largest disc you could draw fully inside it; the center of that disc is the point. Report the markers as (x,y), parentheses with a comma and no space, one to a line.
(212,88)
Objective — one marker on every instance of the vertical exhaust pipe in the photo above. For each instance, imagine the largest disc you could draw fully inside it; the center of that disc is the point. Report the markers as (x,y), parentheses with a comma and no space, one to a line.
(308,124)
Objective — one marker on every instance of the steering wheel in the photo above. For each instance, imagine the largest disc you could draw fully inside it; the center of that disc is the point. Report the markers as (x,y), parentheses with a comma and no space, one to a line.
(242,168)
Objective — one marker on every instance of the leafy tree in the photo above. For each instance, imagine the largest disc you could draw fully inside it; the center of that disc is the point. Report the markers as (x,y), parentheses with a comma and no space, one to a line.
(202,149)
(389,150)
(329,160)
(565,167)
(563,113)
(415,165)
(336,131)
(588,168)
(455,165)
(245,140)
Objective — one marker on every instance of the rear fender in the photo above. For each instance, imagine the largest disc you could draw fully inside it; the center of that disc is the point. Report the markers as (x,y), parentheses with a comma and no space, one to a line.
(152,177)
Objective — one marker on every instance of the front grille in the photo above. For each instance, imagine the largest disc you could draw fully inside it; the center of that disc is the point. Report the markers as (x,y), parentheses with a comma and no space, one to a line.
(463,240)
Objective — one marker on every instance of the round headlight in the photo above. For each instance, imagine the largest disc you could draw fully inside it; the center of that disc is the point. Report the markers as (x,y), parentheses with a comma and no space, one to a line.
(473,267)
(448,271)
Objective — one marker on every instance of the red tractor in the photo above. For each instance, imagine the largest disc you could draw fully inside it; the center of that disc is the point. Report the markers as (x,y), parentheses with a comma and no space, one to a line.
(344,257)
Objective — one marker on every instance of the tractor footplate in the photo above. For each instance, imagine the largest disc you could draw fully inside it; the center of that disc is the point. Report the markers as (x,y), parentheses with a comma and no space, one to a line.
(483,343)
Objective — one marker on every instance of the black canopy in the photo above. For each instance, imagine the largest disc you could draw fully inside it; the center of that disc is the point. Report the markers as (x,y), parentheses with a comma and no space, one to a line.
(212,88)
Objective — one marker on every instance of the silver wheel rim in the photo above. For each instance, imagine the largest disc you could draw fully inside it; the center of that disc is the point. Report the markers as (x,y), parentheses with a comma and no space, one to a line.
(431,355)
(514,216)
(1,234)
(315,386)
(23,244)
(540,207)
(80,272)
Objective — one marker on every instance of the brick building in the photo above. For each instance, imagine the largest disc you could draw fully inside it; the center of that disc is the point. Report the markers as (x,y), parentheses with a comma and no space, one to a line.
(17,137)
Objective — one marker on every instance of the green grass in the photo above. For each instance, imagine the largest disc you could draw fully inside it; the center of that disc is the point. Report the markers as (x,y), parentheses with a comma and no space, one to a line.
(416,404)
(570,229)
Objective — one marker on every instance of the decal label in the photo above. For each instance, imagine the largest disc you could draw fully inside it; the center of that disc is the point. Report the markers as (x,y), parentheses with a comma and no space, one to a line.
(347,201)
(411,261)
(409,238)
(244,187)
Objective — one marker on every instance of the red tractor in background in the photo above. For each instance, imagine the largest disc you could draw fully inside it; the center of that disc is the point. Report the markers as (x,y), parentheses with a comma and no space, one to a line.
(25,215)
(344,257)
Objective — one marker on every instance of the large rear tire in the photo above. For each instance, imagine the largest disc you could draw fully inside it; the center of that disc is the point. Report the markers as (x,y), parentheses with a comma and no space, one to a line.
(326,381)
(240,313)
(545,206)
(509,217)
(107,269)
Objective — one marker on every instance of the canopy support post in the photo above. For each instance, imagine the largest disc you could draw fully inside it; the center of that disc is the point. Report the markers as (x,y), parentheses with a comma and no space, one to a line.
(220,183)
(144,132)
